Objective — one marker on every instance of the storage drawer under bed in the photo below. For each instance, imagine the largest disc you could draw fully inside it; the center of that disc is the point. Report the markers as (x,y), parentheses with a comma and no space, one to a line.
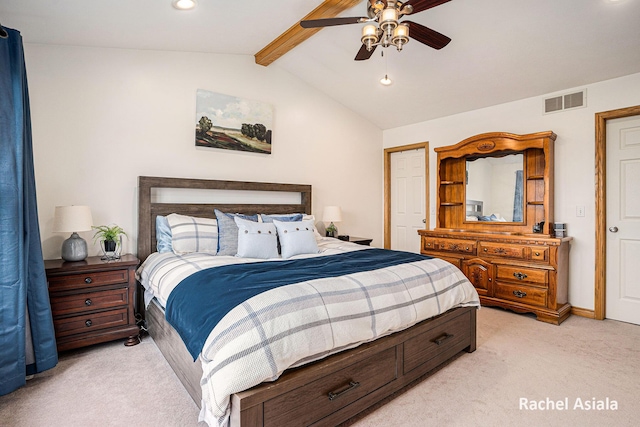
(429,349)
(314,401)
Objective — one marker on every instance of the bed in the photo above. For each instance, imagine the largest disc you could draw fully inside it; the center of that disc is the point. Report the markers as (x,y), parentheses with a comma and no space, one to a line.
(332,383)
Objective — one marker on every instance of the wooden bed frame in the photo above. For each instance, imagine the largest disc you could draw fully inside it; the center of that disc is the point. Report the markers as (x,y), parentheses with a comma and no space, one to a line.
(323,393)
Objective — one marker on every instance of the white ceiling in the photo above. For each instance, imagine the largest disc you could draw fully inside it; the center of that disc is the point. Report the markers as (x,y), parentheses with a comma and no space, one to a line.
(502,50)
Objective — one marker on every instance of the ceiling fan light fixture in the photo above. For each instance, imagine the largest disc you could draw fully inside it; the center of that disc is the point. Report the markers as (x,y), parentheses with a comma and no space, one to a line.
(184,4)
(369,36)
(389,19)
(400,36)
(385,81)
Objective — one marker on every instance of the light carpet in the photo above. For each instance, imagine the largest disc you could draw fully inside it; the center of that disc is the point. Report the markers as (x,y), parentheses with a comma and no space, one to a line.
(517,358)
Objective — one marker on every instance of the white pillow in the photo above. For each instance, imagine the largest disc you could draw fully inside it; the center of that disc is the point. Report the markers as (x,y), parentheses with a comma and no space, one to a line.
(256,239)
(297,237)
(191,234)
(312,218)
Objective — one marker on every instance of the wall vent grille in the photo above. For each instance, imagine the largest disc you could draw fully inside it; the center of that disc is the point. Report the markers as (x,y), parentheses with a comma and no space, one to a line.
(565,102)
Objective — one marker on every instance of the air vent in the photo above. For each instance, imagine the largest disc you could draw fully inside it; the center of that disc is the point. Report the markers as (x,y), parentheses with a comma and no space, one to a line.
(553,104)
(565,102)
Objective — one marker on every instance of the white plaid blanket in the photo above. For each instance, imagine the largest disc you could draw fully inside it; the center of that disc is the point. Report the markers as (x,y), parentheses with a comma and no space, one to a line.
(253,344)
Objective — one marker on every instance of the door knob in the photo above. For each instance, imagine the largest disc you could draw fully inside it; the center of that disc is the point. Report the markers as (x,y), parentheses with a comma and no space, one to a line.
(613,229)
(424,221)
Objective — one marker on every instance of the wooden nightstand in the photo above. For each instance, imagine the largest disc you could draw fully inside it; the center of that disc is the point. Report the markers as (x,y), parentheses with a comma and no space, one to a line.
(93,301)
(360,240)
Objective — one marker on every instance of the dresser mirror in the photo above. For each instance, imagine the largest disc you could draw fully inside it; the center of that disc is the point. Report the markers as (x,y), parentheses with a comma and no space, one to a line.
(497,183)
(495,188)
(494,219)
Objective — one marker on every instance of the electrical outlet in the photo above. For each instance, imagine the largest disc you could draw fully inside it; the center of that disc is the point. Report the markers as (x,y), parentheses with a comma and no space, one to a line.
(579,211)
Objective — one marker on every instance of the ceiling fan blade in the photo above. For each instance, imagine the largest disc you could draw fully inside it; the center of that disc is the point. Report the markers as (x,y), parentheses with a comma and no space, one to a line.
(364,54)
(420,5)
(427,36)
(329,22)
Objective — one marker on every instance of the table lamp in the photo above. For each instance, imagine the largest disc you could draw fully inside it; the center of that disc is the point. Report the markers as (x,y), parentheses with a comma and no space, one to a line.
(73,219)
(332,214)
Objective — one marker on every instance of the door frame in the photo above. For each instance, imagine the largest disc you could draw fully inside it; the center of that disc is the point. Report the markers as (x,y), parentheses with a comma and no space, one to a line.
(387,185)
(601,204)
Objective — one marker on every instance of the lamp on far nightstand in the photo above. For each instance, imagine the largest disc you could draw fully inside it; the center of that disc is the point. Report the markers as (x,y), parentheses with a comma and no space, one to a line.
(73,219)
(332,214)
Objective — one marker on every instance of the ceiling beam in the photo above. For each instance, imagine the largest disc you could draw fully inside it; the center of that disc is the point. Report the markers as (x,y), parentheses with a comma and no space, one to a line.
(296,34)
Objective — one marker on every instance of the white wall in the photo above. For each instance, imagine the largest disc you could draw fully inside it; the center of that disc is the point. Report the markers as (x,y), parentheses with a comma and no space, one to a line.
(574,157)
(102,117)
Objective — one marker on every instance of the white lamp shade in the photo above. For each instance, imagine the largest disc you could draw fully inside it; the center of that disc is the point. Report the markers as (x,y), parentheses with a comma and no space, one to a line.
(70,219)
(332,214)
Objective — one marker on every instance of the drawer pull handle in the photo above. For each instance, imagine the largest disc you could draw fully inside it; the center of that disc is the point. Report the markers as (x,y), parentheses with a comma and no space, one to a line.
(520,276)
(486,250)
(442,338)
(336,394)
(88,322)
(88,280)
(537,253)
(87,302)
(520,294)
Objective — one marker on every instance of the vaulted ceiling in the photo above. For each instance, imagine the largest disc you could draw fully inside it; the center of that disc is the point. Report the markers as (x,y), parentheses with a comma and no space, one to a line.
(501,50)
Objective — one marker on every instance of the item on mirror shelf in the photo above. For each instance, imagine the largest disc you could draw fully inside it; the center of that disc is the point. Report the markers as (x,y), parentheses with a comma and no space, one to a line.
(560,229)
(537,228)
(344,237)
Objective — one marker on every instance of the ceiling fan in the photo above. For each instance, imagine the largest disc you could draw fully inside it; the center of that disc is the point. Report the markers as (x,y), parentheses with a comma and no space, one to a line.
(384,29)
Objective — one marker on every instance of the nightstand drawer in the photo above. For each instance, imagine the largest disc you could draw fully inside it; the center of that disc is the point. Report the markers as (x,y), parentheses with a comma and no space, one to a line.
(84,280)
(90,322)
(73,304)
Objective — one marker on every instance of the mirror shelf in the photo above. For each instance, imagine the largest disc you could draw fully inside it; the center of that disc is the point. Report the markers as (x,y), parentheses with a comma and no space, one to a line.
(520,205)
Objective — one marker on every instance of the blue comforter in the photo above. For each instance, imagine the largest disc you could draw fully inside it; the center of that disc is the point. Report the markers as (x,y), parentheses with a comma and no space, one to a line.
(201,300)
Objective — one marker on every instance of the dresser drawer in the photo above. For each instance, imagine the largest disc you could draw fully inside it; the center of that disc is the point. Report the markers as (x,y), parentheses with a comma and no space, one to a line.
(449,245)
(329,394)
(427,349)
(521,293)
(91,322)
(502,250)
(73,304)
(84,280)
(522,274)
(540,253)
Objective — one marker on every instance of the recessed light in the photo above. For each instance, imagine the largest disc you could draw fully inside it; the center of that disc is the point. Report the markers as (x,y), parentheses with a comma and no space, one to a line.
(184,4)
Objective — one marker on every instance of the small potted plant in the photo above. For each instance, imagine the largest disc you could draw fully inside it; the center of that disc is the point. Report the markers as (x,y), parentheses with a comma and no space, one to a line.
(110,238)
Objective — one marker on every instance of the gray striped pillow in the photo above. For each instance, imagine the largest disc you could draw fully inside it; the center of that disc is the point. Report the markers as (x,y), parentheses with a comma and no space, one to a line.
(191,234)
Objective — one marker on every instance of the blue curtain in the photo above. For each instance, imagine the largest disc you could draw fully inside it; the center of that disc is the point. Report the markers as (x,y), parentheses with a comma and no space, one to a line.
(518,198)
(27,340)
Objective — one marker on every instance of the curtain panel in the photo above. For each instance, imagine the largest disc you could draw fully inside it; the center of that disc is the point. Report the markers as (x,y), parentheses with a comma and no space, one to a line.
(27,340)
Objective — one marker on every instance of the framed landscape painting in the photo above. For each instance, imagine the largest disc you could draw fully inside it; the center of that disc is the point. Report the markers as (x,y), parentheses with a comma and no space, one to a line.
(232,123)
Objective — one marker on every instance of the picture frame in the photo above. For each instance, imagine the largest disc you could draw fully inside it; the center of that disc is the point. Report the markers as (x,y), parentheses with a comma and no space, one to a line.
(232,123)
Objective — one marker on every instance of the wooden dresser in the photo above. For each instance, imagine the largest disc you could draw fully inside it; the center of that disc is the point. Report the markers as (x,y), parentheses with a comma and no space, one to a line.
(92,301)
(514,263)
(521,273)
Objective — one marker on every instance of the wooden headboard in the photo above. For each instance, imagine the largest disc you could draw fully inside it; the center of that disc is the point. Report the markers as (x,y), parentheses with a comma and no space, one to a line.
(148,210)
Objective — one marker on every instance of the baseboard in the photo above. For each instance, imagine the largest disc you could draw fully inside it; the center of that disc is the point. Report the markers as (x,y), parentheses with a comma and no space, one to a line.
(583,312)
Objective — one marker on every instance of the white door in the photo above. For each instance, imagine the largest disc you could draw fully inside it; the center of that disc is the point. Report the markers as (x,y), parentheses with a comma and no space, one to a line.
(407,199)
(623,219)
